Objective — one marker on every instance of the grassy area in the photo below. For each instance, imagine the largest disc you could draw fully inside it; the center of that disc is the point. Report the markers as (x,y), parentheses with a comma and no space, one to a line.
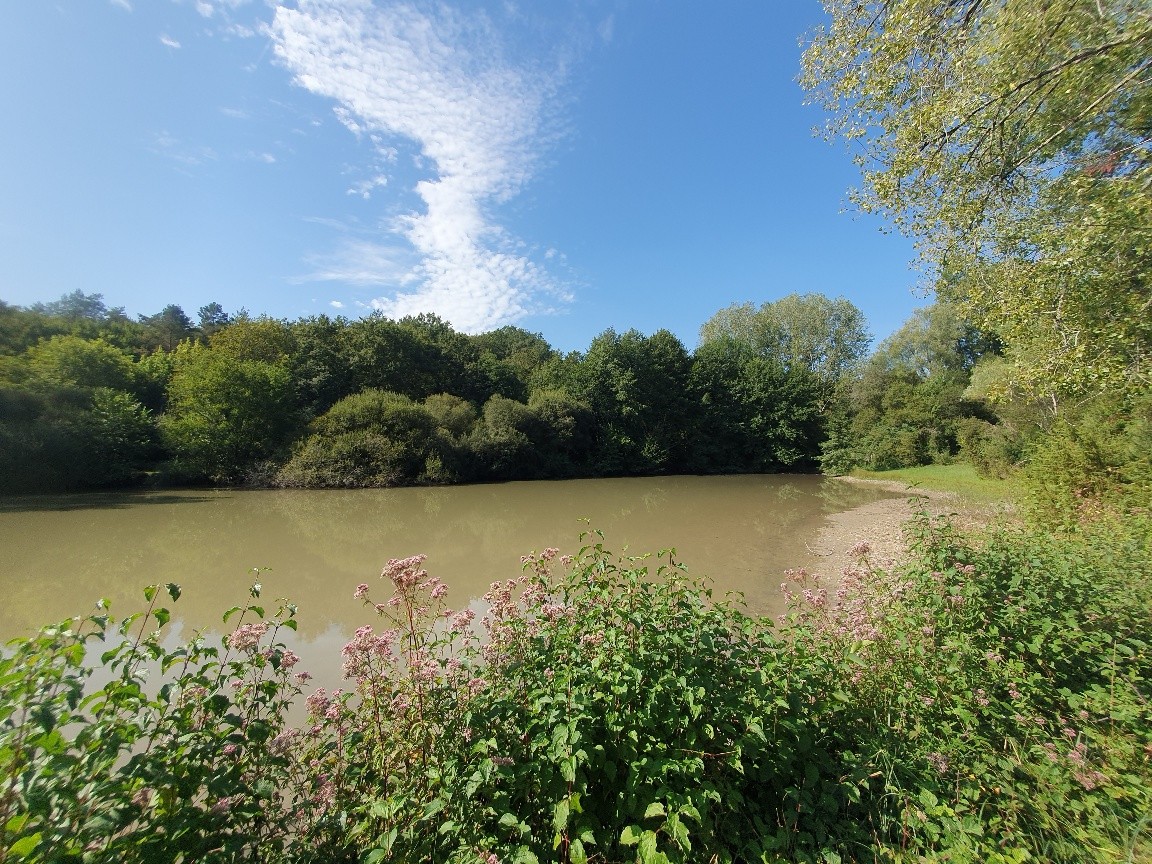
(958,478)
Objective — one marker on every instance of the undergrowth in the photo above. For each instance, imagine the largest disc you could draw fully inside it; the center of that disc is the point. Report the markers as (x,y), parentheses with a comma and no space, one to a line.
(983,702)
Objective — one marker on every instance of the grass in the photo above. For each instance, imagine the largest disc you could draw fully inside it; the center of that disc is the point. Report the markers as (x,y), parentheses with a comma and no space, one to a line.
(958,478)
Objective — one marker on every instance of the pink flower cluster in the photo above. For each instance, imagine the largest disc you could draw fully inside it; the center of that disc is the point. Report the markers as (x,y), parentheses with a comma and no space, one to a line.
(367,650)
(405,573)
(247,637)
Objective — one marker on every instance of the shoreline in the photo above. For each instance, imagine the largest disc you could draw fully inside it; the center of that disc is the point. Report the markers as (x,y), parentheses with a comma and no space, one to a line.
(881,525)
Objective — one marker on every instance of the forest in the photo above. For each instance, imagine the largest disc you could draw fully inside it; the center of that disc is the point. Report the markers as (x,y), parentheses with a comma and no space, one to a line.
(91,399)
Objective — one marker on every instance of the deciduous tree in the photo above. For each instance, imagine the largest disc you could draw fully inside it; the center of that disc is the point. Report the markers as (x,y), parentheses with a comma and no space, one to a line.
(1012,141)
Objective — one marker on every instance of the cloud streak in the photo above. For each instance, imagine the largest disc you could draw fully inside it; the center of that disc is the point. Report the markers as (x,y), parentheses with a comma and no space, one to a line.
(439,79)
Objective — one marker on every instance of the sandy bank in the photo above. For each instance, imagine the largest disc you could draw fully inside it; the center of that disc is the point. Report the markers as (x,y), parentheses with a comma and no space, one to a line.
(881,523)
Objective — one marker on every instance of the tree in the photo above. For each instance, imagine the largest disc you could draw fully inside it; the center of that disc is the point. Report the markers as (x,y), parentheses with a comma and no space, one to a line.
(167,328)
(75,306)
(1011,140)
(225,414)
(808,332)
(72,361)
(213,318)
(908,405)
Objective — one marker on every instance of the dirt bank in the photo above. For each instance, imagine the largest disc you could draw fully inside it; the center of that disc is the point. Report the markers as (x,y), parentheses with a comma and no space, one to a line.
(881,523)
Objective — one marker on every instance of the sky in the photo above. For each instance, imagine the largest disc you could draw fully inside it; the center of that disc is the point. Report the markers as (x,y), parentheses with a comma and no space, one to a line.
(562,165)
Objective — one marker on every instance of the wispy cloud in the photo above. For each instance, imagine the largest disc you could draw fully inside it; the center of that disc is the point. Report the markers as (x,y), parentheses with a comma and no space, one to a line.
(440,79)
(168,41)
(188,155)
(123,4)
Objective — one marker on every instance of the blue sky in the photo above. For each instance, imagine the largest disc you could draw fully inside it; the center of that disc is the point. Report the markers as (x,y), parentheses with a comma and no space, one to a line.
(566,166)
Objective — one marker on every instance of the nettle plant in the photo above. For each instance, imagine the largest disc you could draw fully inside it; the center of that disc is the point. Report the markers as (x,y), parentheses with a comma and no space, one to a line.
(193,767)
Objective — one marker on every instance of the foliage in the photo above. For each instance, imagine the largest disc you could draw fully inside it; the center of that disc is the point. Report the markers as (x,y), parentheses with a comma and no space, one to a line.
(77,362)
(909,404)
(198,768)
(809,332)
(224,413)
(1094,462)
(1011,140)
(982,702)
(989,701)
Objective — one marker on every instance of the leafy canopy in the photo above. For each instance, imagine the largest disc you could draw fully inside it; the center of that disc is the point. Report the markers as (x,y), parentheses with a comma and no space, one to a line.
(1012,141)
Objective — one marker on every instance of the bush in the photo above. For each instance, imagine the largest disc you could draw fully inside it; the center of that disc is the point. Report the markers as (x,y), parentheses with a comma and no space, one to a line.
(985,702)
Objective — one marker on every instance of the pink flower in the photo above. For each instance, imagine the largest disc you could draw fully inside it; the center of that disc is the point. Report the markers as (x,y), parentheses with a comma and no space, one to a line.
(361,591)
(247,636)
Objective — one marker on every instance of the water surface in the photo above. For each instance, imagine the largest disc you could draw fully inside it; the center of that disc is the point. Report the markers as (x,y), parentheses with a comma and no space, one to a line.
(62,553)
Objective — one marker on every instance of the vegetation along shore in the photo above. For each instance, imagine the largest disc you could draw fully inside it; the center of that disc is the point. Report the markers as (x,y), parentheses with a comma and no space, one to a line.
(978,691)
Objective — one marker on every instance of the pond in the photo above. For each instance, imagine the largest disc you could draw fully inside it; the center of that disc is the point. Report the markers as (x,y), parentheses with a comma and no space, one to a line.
(63,553)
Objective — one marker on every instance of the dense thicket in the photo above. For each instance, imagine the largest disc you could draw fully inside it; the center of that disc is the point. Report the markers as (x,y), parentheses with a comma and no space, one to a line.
(89,398)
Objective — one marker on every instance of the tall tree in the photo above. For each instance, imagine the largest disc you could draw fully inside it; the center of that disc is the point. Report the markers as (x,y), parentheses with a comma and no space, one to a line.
(225,414)
(804,332)
(1012,140)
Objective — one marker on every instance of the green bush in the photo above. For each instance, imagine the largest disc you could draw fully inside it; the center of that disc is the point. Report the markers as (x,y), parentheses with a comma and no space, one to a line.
(984,702)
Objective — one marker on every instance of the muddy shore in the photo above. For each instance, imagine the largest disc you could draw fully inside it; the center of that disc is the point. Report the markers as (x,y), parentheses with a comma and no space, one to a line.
(881,525)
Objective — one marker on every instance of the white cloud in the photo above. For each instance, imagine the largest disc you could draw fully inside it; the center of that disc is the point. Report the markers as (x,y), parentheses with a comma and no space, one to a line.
(335,304)
(204,8)
(364,188)
(437,78)
(123,4)
(168,41)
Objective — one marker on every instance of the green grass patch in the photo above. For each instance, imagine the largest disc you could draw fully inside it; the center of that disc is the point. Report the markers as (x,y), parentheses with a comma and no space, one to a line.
(959,478)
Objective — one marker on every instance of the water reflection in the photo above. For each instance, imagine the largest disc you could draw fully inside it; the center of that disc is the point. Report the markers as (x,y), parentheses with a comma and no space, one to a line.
(62,553)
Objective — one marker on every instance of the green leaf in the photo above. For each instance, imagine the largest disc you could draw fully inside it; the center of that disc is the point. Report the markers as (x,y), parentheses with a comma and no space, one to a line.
(25,845)
(560,815)
(173,591)
(646,850)
(654,809)
(630,836)
(576,853)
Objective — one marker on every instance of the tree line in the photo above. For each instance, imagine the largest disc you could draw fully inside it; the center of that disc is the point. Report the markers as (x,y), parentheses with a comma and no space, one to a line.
(90,398)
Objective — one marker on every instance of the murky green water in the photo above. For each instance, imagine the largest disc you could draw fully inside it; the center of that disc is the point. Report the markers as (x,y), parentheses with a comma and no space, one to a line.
(61,553)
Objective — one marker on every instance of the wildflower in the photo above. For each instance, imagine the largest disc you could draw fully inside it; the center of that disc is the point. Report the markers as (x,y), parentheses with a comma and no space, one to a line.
(317,703)
(439,591)
(461,620)
(303,677)
(861,549)
(405,573)
(247,636)
(361,591)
